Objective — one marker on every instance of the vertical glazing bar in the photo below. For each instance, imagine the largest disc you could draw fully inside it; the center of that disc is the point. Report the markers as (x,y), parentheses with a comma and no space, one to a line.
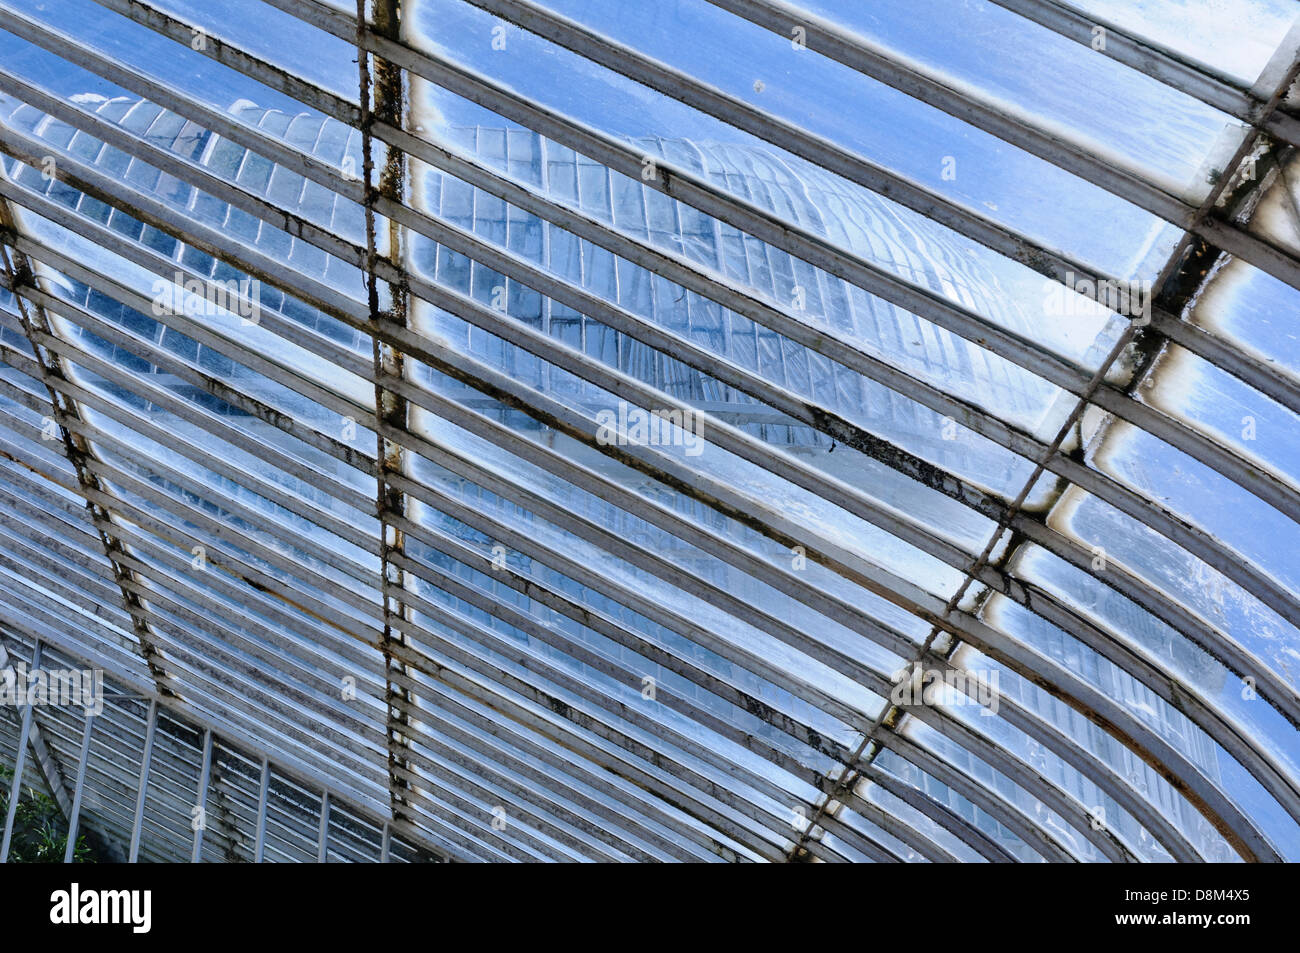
(323,844)
(200,819)
(15,789)
(78,788)
(261,811)
(137,823)
(383,843)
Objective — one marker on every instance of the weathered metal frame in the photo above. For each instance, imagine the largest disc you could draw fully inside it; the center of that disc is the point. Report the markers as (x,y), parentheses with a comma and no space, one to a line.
(72,648)
(1050,262)
(129,510)
(878,676)
(748,218)
(1170,525)
(967,628)
(1145,595)
(417,286)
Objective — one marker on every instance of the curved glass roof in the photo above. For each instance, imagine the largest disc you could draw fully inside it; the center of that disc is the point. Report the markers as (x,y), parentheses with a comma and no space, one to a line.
(734,430)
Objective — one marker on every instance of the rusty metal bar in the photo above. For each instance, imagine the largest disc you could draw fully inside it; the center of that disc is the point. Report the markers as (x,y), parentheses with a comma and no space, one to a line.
(384,99)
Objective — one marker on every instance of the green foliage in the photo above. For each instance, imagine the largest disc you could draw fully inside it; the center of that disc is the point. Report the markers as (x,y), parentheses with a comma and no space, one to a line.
(40,832)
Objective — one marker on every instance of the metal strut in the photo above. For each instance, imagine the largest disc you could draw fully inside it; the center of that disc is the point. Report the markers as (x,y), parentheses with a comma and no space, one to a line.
(383,99)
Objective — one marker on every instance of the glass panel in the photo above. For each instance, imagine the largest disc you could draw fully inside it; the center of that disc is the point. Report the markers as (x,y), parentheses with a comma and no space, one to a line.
(1253,310)
(1236,37)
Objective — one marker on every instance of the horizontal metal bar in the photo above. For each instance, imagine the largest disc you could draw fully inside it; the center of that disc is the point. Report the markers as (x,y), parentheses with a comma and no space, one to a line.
(1269,377)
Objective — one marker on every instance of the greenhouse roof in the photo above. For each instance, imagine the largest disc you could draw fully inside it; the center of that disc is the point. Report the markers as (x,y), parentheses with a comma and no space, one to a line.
(495,430)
